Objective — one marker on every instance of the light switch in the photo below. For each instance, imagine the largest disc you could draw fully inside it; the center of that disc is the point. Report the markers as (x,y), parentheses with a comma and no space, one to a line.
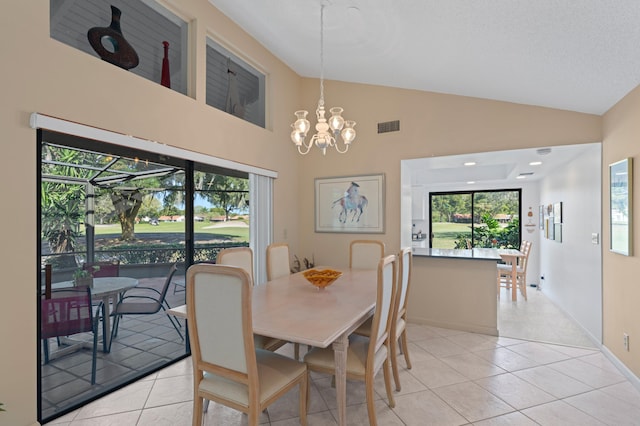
(595,238)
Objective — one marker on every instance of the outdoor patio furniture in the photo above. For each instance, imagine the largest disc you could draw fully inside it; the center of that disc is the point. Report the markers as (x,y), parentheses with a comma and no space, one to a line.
(145,301)
(68,312)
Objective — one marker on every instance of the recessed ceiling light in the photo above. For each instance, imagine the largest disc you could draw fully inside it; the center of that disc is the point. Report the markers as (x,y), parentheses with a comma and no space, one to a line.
(535,163)
(471,182)
(520,177)
(470,163)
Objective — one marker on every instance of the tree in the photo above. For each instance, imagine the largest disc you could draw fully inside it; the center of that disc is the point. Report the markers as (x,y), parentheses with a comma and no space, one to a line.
(62,214)
(228,193)
(446,205)
(62,203)
(127,203)
(103,208)
(151,206)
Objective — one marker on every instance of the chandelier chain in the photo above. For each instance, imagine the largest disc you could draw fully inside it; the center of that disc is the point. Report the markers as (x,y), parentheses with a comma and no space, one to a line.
(321,101)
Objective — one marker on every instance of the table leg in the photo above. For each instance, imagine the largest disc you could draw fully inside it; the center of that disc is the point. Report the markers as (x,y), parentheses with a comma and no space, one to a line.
(106,324)
(514,279)
(340,357)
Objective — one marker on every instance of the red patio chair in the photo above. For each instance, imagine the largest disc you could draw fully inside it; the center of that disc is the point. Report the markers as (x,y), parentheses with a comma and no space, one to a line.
(66,313)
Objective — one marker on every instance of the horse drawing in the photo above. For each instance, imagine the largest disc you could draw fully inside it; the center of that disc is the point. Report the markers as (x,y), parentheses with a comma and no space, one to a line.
(352,204)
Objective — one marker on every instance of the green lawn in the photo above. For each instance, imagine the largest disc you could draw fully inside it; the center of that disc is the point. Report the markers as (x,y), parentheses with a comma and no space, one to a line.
(445,233)
(237,232)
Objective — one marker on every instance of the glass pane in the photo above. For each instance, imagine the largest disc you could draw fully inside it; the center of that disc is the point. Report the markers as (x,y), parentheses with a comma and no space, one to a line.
(221,214)
(496,219)
(489,219)
(451,220)
(144,25)
(234,86)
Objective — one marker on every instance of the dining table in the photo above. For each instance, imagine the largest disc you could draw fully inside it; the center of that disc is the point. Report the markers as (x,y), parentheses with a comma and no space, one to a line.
(292,309)
(108,290)
(512,256)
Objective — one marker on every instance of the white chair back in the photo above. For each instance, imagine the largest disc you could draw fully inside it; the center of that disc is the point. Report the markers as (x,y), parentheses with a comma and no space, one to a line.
(365,254)
(383,316)
(277,261)
(227,368)
(241,257)
(404,277)
(219,315)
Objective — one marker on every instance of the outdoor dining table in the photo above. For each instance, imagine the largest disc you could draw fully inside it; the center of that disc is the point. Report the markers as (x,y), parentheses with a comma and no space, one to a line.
(290,308)
(108,289)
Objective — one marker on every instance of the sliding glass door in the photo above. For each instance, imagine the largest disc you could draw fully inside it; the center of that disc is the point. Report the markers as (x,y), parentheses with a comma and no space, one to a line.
(118,220)
(464,220)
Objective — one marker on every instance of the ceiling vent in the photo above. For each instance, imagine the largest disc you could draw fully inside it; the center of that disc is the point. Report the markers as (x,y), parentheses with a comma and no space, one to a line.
(526,174)
(389,126)
(543,151)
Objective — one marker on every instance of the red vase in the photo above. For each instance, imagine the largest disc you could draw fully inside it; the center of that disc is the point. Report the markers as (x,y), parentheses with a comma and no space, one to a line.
(165,79)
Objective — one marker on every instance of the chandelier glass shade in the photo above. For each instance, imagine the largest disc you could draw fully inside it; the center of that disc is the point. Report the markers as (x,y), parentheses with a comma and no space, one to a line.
(328,132)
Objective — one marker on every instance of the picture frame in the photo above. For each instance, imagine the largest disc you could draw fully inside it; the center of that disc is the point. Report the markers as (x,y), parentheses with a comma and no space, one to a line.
(621,207)
(541,217)
(546,228)
(557,212)
(350,204)
(557,232)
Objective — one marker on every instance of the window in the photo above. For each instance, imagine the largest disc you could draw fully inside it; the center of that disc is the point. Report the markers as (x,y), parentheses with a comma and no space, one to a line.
(461,220)
(234,86)
(145,25)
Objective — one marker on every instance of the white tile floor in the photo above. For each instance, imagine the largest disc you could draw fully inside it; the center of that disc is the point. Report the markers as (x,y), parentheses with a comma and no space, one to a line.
(538,319)
(457,378)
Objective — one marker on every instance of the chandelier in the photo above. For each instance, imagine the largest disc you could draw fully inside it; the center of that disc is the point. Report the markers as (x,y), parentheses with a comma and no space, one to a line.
(327,133)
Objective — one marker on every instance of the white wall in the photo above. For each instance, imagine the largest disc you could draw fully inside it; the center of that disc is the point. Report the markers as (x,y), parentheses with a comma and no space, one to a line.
(573,268)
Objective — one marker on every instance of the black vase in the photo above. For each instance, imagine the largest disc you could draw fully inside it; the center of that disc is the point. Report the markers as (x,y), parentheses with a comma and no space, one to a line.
(123,54)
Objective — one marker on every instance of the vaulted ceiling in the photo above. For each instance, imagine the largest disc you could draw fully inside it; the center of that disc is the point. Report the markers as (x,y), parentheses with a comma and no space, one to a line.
(573,55)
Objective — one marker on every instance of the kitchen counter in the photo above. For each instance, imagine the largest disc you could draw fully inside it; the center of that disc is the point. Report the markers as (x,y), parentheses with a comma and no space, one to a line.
(476,253)
(455,289)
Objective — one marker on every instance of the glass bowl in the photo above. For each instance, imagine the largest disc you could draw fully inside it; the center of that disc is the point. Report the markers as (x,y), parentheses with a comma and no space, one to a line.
(321,278)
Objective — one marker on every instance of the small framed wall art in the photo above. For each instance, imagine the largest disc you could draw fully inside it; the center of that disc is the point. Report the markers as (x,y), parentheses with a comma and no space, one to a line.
(620,207)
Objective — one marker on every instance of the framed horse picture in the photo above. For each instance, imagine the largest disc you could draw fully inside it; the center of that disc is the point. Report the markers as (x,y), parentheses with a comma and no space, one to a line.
(350,204)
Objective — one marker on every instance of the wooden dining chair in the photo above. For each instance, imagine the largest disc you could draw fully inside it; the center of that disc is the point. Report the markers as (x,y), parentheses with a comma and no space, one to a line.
(277,261)
(278,266)
(243,257)
(365,254)
(399,327)
(366,356)
(227,368)
(504,271)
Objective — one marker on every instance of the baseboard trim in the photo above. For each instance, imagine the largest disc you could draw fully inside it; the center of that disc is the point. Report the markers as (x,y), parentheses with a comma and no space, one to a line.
(455,326)
(635,381)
